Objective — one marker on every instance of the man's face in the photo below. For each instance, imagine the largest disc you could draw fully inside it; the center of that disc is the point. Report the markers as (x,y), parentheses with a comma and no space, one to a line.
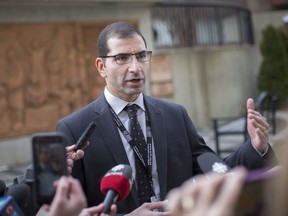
(124,81)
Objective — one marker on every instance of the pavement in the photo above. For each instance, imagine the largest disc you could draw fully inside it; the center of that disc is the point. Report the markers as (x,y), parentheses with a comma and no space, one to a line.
(9,172)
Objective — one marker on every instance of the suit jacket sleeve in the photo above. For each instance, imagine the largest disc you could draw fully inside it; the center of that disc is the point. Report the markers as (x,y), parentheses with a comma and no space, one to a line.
(247,156)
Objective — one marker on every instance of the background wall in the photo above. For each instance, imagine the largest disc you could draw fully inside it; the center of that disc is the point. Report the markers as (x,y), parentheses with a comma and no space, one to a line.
(213,81)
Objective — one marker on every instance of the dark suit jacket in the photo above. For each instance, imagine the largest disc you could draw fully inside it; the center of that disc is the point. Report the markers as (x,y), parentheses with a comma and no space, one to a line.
(176,142)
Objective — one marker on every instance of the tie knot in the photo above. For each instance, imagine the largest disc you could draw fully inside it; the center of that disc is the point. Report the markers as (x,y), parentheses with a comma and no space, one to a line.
(132,110)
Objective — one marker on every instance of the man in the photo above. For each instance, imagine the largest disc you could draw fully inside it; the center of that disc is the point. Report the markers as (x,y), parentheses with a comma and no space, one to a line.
(167,154)
(123,62)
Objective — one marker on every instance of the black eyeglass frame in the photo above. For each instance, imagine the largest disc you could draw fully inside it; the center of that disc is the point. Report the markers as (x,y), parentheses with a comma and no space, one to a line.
(149,53)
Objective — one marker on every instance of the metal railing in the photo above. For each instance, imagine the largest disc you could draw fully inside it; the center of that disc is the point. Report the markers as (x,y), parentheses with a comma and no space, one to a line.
(197,24)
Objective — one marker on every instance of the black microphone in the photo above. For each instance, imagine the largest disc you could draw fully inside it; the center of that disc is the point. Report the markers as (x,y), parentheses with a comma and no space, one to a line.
(210,162)
(15,200)
(2,188)
(21,194)
(116,185)
(84,136)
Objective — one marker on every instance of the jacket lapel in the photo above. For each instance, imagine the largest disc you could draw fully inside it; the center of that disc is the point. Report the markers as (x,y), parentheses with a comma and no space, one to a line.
(105,121)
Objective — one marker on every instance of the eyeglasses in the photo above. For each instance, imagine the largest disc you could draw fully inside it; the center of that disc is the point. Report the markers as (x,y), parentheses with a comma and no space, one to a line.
(125,58)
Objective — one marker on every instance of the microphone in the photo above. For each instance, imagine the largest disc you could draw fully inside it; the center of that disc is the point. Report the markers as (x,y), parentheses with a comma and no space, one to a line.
(8,207)
(15,200)
(210,162)
(21,194)
(2,188)
(84,136)
(116,185)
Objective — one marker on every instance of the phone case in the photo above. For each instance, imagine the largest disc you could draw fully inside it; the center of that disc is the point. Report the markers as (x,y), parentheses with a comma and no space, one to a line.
(50,163)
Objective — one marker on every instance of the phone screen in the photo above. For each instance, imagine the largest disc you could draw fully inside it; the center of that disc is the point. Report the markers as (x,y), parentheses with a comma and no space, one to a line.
(49,160)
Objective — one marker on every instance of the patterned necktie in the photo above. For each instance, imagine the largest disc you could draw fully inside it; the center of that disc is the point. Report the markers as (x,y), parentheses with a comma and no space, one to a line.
(143,179)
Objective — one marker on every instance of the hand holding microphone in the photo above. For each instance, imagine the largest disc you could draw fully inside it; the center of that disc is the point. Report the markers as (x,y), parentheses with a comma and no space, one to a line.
(69,198)
(116,185)
(73,156)
(94,210)
(75,152)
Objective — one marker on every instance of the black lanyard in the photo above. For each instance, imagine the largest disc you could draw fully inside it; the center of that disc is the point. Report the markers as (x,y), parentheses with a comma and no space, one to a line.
(146,162)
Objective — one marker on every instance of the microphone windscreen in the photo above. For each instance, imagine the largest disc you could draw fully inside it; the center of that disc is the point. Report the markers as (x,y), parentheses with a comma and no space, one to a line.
(2,188)
(21,194)
(210,162)
(118,183)
(119,179)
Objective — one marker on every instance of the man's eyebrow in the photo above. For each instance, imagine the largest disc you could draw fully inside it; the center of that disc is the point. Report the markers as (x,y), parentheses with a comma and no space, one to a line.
(142,51)
(130,53)
(123,53)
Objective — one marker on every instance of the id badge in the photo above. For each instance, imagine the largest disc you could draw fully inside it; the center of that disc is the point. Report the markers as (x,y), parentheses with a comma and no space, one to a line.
(155,199)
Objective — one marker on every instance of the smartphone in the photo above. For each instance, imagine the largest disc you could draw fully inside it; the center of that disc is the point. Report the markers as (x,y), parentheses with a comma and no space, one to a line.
(50,163)
(253,199)
(84,136)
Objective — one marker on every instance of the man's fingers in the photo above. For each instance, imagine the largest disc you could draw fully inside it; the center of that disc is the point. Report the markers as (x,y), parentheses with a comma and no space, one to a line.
(92,210)
(75,155)
(76,192)
(250,104)
(232,188)
(62,188)
(70,148)
(155,205)
(85,144)
(70,162)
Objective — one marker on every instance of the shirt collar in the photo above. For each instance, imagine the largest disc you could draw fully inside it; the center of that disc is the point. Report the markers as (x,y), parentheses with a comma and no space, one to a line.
(118,104)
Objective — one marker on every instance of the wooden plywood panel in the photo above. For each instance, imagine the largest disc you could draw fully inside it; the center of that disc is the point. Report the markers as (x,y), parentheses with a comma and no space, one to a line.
(46,72)
(161,76)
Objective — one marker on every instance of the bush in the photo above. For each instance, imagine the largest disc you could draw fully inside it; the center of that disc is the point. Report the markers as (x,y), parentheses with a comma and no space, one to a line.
(273,75)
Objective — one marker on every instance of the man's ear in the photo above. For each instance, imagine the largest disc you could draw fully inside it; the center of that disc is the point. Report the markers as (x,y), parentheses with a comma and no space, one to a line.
(100,65)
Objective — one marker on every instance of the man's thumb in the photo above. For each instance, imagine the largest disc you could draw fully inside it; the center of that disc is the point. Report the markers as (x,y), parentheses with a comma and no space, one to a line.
(250,104)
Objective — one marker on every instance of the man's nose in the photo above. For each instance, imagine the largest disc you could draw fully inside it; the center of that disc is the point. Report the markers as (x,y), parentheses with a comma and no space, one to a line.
(134,65)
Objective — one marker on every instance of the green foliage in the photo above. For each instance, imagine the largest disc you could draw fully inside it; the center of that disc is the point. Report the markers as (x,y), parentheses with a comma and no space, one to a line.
(273,75)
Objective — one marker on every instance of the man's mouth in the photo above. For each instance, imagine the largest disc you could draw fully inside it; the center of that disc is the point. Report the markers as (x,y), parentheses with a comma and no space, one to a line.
(135,80)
